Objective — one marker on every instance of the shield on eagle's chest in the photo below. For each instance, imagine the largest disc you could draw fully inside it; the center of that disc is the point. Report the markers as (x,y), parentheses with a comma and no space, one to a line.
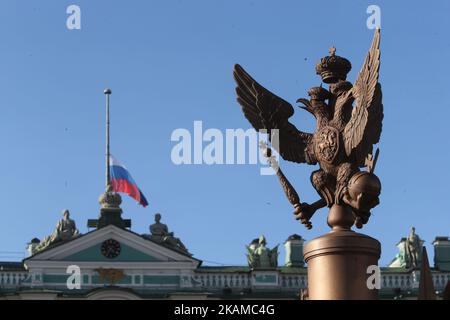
(326,143)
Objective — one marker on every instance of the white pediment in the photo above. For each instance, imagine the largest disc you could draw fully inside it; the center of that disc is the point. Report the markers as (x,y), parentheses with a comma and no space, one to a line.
(135,252)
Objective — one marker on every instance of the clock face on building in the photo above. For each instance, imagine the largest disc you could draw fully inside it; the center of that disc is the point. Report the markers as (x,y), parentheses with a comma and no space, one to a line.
(110,248)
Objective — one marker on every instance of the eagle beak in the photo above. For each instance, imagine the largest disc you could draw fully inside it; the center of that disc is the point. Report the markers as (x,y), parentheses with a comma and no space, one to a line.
(307,105)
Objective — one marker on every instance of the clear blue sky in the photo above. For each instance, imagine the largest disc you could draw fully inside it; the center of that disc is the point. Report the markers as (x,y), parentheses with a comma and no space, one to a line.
(170,63)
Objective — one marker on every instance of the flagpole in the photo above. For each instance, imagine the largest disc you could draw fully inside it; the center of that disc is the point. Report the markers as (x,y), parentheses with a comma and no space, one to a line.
(107,93)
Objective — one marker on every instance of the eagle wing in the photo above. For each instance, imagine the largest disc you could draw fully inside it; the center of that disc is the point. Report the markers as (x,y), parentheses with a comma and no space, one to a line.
(364,128)
(267,111)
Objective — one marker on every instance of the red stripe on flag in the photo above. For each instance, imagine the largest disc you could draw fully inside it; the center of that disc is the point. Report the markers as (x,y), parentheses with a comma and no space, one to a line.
(122,185)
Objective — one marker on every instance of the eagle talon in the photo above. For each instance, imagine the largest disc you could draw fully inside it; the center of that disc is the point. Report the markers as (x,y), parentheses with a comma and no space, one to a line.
(304,212)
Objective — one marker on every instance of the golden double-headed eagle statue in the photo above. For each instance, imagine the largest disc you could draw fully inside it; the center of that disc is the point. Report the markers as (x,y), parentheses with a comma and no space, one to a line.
(348,124)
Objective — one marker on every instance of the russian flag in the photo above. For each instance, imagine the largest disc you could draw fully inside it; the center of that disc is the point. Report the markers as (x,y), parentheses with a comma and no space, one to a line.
(121,181)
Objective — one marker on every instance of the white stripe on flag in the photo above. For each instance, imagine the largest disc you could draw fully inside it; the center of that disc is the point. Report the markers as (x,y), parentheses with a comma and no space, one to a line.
(114,162)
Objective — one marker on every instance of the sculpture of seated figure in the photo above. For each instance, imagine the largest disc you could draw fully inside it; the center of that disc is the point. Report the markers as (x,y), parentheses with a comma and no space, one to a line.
(65,230)
(160,233)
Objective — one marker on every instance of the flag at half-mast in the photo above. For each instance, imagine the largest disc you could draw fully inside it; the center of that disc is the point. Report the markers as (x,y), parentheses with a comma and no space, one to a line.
(122,181)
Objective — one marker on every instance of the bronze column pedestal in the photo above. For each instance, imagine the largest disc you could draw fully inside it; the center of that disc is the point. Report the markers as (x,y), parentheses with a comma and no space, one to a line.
(338,261)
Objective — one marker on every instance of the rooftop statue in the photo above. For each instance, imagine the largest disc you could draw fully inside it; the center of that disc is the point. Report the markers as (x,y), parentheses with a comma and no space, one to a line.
(259,256)
(348,124)
(410,251)
(32,245)
(414,247)
(160,234)
(65,230)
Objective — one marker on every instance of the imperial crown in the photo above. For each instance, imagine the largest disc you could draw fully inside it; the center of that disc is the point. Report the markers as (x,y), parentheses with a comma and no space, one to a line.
(110,199)
(333,68)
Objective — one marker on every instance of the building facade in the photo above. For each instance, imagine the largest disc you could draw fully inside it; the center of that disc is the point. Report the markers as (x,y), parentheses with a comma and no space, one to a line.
(113,262)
